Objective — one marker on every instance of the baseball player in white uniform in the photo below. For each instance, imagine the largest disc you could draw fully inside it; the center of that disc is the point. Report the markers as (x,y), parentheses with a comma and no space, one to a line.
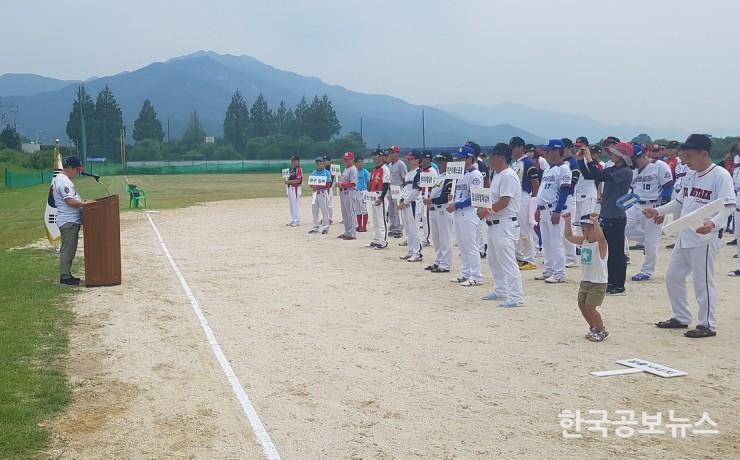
(584,192)
(503,229)
(466,220)
(409,194)
(529,177)
(651,181)
(439,219)
(551,202)
(380,181)
(697,248)
(347,184)
(736,181)
(320,201)
(571,259)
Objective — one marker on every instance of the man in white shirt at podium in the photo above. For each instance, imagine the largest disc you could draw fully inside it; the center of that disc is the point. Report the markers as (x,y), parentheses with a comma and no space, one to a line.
(69,219)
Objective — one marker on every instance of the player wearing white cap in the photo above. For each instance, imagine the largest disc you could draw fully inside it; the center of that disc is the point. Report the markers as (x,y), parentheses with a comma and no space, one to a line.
(503,229)
(439,219)
(736,181)
(697,248)
(466,220)
(551,202)
(410,192)
(651,181)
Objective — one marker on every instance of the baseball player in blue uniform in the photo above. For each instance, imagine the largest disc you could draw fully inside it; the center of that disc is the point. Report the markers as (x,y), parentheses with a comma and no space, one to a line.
(529,177)
(321,201)
(439,219)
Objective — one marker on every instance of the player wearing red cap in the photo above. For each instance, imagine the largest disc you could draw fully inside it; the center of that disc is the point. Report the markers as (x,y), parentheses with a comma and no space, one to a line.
(294,181)
(347,189)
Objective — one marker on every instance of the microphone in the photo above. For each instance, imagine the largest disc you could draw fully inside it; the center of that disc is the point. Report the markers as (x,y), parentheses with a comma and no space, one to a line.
(94,176)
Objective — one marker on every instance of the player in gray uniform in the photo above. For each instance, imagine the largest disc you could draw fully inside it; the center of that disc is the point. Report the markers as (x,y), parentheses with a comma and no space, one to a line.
(347,184)
(398,173)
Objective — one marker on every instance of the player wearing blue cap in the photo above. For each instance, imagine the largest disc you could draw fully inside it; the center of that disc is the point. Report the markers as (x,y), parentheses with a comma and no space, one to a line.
(551,202)
(439,219)
(575,174)
(320,201)
(529,177)
(466,220)
(480,163)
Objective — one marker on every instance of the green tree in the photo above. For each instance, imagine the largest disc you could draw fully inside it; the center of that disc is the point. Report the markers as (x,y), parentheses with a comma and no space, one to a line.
(642,139)
(147,126)
(146,150)
(283,115)
(320,121)
(236,122)
(74,129)
(261,119)
(194,133)
(105,124)
(297,127)
(10,138)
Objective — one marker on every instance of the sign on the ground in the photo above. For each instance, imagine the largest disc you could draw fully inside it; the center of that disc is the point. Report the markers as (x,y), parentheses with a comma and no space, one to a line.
(637,365)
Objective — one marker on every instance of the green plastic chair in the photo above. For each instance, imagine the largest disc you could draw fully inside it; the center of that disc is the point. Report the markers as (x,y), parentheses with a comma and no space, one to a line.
(136,196)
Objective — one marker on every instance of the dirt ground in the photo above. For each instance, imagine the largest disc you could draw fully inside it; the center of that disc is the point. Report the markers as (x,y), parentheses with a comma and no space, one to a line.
(347,352)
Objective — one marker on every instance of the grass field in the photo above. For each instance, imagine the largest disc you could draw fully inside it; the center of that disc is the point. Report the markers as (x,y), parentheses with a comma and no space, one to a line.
(34,318)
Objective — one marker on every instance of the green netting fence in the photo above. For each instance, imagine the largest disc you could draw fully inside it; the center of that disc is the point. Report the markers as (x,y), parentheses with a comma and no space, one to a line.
(16,179)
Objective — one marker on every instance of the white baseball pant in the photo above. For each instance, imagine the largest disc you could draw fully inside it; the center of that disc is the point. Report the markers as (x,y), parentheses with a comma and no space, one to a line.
(553,244)
(330,204)
(699,262)
(644,230)
(381,230)
(441,234)
(466,222)
(411,228)
(525,245)
(479,236)
(502,240)
(737,232)
(321,204)
(294,199)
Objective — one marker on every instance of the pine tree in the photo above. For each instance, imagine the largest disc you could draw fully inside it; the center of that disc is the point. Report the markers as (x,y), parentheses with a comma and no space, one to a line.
(261,119)
(10,138)
(281,118)
(74,130)
(194,134)
(147,126)
(236,122)
(105,124)
(299,128)
(329,125)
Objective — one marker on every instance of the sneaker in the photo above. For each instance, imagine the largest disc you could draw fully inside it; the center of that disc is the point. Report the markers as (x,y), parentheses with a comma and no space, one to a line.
(315,230)
(670,246)
(471,283)
(616,291)
(431,267)
(349,237)
(641,277)
(460,279)
(543,276)
(598,336)
(324,232)
(732,243)
(554,280)
(511,303)
(381,246)
(591,331)
(734,273)
(415,258)
(527,266)
(70,281)
(372,244)
(406,257)
(571,265)
(440,270)
(491,296)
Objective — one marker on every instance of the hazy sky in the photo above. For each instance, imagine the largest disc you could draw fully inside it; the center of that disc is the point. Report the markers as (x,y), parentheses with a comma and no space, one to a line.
(653,62)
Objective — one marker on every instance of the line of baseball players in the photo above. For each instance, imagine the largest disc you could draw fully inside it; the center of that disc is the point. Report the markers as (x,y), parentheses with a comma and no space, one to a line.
(529,196)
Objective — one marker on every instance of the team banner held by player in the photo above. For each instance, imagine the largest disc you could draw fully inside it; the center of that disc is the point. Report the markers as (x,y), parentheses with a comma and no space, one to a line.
(480,197)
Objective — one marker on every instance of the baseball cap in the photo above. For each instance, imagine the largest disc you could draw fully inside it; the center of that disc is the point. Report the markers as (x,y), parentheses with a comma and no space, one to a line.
(465,152)
(413,155)
(476,147)
(444,156)
(567,142)
(326,158)
(623,150)
(359,158)
(348,156)
(611,140)
(72,162)
(295,157)
(594,148)
(555,144)
(673,144)
(700,142)
(378,152)
(517,141)
(395,149)
(637,150)
(426,154)
(501,149)
(319,159)
(529,148)
(582,140)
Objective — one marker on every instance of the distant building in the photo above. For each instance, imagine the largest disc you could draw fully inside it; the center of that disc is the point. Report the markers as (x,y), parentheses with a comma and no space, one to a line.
(210,140)
(30,147)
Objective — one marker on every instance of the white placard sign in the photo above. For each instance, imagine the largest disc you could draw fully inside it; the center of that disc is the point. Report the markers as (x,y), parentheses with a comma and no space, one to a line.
(426,180)
(286,173)
(694,219)
(455,170)
(336,170)
(370,197)
(319,181)
(396,192)
(653,368)
(480,197)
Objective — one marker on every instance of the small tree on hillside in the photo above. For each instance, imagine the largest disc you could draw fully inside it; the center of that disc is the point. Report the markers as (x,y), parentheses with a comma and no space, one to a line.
(147,126)
(236,122)
(194,133)
(10,138)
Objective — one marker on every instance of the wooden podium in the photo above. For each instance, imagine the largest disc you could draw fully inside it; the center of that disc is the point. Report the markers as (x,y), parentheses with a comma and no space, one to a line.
(102,229)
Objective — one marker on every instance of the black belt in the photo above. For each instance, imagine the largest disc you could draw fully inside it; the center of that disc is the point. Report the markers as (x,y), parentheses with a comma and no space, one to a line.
(344,189)
(498,221)
(437,206)
(648,201)
(543,207)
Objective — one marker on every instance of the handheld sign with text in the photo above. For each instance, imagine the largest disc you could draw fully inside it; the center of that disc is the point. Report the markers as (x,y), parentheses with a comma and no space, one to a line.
(455,171)
(370,197)
(426,181)
(319,181)
(336,171)
(396,192)
(480,197)
(286,175)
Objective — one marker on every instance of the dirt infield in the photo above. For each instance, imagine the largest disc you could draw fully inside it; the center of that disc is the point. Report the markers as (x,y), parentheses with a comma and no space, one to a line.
(347,352)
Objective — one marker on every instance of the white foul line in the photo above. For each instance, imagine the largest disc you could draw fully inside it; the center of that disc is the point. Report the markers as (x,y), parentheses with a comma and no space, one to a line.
(257,427)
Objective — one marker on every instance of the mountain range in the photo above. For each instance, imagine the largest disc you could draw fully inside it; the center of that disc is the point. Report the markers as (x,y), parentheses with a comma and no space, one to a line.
(205,81)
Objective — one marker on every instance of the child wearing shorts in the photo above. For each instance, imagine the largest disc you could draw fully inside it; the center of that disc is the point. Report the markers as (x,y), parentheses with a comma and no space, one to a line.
(594,276)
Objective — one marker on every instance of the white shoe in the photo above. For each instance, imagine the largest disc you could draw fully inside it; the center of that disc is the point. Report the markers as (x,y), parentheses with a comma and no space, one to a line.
(460,279)
(491,296)
(470,283)
(542,277)
(510,303)
(571,265)
(554,280)
(414,258)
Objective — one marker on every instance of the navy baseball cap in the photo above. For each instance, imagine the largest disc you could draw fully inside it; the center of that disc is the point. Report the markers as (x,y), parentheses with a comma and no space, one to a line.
(465,152)
(583,140)
(567,142)
(444,156)
(637,148)
(501,149)
(295,157)
(517,141)
(555,144)
(700,142)
(529,148)
(476,148)
(326,158)
(72,162)
(413,154)
(426,154)
(610,140)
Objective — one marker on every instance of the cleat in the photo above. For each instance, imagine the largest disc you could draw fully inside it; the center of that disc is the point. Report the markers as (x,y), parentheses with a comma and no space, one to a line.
(543,276)
(471,283)
(440,270)
(511,303)
(554,280)
(431,267)
(734,273)
(641,277)
(381,246)
(460,279)
(491,296)
(315,230)
(415,258)
(527,266)
(324,232)
(571,265)
(406,257)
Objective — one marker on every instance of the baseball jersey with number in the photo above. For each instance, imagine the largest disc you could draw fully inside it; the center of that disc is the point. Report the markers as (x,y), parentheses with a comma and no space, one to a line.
(526,170)
(698,190)
(649,181)
(64,188)
(506,183)
(472,179)
(380,175)
(552,180)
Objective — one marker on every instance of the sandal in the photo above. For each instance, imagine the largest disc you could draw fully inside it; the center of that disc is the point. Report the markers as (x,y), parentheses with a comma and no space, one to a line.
(700,332)
(672,323)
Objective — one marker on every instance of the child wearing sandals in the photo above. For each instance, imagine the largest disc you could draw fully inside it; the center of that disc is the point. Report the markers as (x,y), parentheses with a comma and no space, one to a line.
(594,276)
